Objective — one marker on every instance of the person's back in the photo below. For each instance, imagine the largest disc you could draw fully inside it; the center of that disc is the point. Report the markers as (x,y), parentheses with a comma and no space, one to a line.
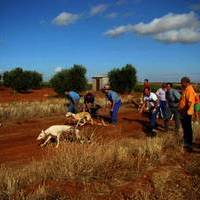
(73,98)
(173,97)
(74,95)
(113,96)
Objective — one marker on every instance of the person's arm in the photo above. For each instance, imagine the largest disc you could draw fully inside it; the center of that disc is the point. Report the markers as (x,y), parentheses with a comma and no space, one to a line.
(142,107)
(190,102)
(156,102)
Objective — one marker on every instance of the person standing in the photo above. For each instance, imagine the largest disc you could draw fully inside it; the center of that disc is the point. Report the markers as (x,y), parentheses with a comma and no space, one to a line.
(186,108)
(115,101)
(152,102)
(173,97)
(161,94)
(147,84)
(73,98)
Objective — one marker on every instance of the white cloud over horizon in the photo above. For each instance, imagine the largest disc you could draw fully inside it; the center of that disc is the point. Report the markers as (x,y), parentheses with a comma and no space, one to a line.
(98,9)
(65,18)
(170,28)
(58,69)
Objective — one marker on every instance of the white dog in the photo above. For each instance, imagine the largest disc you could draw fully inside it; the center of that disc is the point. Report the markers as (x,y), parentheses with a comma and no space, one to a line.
(82,116)
(56,131)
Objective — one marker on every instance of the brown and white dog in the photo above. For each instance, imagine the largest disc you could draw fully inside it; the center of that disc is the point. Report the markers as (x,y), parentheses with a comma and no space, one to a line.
(83,117)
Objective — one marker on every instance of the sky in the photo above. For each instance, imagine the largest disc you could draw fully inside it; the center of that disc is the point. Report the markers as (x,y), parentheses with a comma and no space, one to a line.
(161,38)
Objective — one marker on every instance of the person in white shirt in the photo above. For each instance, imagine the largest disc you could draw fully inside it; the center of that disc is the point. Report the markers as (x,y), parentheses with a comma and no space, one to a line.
(152,102)
(161,94)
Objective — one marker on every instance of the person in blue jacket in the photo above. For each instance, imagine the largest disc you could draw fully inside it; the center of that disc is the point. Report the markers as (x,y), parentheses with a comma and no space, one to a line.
(73,98)
(115,100)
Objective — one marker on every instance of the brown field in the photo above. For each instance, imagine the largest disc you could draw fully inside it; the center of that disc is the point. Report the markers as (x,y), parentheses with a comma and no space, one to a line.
(136,166)
(7,95)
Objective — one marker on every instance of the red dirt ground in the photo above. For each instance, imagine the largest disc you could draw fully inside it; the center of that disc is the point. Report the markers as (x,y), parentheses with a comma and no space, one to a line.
(18,143)
(7,95)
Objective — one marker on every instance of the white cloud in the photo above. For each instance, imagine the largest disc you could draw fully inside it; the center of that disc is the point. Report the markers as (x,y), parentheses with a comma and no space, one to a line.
(65,18)
(119,30)
(168,22)
(112,15)
(181,36)
(95,10)
(171,28)
(58,69)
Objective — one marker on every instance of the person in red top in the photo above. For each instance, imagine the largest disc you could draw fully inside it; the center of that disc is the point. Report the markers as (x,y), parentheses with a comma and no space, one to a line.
(146,84)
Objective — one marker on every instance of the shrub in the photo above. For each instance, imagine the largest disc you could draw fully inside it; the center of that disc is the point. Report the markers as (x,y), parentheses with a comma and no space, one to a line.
(70,79)
(20,80)
(124,79)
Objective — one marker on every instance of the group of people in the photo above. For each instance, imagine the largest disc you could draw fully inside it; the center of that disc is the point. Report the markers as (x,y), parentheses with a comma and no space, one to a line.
(114,101)
(168,102)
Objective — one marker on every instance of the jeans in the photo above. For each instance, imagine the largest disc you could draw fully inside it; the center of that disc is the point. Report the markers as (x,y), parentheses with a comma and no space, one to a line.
(163,109)
(114,113)
(153,117)
(186,121)
(72,107)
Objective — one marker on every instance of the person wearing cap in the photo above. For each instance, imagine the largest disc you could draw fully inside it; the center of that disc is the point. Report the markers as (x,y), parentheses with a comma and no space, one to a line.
(73,98)
(115,101)
(186,108)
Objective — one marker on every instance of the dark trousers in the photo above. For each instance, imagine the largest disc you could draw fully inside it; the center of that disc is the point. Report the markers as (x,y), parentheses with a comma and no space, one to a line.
(186,121)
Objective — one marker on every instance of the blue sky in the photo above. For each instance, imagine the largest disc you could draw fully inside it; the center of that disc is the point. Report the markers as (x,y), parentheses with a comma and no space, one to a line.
(161,38)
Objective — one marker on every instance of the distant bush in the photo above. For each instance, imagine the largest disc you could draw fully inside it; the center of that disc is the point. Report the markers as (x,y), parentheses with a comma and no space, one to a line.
(70,79)
(45,84)
(124,79)
(21,80)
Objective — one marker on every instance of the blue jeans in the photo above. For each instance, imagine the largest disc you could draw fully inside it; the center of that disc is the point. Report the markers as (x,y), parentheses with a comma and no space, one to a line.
(163,109)
(153,117)
(72,107)
(114,113)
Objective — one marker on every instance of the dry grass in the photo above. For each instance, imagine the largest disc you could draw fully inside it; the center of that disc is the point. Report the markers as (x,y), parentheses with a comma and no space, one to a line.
(24,110)
(113,165)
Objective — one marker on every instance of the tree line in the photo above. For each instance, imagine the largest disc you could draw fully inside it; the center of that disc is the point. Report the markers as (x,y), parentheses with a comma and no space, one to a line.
(121,79)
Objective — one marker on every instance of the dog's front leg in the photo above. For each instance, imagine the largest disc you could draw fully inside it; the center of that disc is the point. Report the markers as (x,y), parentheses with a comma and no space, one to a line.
(58,141)
(103,123)
(84,122)
(92,121)
(47,140)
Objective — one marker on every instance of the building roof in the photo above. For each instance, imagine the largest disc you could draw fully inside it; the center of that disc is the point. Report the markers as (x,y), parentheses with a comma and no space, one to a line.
(100,76)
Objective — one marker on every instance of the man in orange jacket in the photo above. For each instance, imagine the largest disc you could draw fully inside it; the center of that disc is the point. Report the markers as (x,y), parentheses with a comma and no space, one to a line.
(186,108)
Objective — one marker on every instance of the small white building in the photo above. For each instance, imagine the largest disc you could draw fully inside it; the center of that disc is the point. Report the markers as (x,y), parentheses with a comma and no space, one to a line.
(99,81)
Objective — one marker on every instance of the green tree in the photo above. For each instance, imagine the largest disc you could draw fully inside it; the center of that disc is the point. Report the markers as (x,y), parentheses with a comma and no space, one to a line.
(124,79)
(20,80)
(73,78)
